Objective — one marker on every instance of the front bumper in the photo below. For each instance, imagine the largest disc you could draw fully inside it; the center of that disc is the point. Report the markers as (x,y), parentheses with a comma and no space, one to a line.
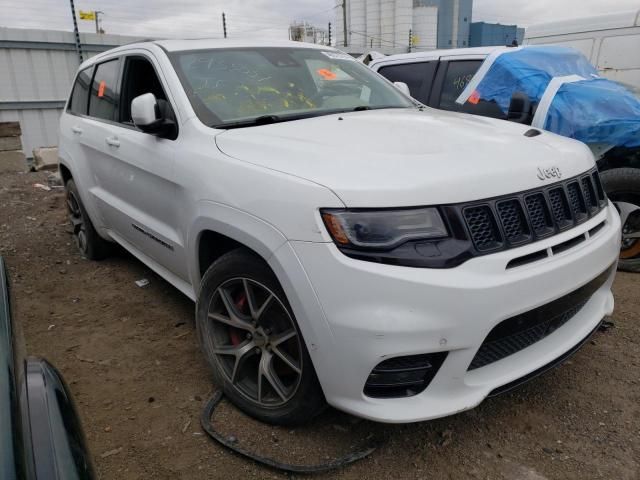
(354,314)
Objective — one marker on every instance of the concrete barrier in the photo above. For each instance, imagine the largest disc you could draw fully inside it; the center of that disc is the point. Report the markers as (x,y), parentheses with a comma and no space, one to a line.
(11,157)
(45,158)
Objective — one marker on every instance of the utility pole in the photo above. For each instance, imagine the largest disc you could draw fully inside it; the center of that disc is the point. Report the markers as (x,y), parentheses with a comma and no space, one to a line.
(329,30)
(97,14)
(344,20)
(75,32)
(224,24)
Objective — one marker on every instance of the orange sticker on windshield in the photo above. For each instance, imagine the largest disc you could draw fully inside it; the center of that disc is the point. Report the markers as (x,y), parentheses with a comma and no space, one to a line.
(327,74)
(101,88)
(474,98)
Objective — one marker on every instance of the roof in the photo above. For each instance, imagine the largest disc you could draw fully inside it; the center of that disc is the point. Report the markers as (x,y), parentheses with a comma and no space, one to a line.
(433,54)
(588,24)
(204,44)
(207,43)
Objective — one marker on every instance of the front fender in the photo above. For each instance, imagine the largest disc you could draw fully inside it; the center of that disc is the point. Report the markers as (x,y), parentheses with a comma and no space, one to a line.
(272,245)
(249,230)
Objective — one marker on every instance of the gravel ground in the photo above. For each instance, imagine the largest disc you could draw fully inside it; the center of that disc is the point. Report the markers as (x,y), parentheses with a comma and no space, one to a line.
(131,359)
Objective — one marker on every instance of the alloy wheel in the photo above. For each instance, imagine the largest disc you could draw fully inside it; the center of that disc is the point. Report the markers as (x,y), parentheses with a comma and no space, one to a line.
(254,341)
(77,221)
(630,219)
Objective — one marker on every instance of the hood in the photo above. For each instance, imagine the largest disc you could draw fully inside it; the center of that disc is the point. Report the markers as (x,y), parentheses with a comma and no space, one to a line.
(405,157)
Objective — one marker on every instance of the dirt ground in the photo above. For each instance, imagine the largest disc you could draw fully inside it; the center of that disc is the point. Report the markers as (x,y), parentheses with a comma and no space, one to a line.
(132,362)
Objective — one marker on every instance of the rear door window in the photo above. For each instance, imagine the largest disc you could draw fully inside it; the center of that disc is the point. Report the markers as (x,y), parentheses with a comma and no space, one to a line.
(459,74)
(80,94)
(417,76)
(103,99)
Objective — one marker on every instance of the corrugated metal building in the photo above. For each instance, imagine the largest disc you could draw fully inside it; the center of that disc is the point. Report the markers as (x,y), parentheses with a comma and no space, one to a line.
(36,71)
(488,34)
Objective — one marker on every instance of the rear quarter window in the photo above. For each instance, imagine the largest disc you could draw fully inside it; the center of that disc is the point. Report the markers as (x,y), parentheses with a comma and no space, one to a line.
(459,74)
(103,98)
(80,93)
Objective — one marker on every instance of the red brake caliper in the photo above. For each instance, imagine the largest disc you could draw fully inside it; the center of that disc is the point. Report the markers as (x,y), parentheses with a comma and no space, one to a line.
(234,335)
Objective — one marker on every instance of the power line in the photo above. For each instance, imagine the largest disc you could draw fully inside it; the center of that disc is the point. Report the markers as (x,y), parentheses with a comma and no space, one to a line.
(322,12)
(381,40)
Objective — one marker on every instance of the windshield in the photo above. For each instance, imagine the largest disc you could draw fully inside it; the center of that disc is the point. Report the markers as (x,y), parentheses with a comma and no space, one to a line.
(234,87)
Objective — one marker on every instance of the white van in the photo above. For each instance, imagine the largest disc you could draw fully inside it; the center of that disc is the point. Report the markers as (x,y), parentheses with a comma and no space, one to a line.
(610,42)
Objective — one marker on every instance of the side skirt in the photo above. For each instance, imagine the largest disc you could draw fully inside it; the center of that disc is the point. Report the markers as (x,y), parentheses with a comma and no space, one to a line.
(184,287)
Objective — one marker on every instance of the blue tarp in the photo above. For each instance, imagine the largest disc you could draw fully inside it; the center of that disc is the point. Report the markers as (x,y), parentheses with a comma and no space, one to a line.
(593,110)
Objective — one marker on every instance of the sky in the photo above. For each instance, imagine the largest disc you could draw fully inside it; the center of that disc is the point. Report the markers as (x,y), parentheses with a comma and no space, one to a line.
(259,18)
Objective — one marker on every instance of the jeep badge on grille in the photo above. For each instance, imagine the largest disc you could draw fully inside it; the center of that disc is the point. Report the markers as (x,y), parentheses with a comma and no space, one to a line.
(547,173)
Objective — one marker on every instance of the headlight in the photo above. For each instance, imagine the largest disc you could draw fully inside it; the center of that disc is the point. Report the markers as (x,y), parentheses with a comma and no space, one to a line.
(383,229)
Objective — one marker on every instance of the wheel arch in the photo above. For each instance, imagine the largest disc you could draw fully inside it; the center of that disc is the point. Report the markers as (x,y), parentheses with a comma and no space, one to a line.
(219,229)
(234,228)
(65,173)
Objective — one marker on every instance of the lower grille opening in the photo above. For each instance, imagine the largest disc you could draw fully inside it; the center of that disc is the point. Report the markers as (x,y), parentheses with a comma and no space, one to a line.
(536,373)
(517,333)
(403,376)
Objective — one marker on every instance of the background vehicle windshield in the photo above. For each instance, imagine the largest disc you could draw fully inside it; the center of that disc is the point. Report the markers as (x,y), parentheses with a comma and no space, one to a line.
(226,86)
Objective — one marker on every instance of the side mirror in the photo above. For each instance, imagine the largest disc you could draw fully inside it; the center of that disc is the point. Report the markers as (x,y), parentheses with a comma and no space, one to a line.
(519,108)
(403,87)
(153,116)
(144,110)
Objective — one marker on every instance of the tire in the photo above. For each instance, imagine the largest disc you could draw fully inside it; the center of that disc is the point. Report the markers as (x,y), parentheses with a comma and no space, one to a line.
(90,244)
(623,185)
(242,317)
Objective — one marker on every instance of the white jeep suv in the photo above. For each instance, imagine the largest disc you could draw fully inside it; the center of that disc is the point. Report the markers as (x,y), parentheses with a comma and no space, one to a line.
(343,244)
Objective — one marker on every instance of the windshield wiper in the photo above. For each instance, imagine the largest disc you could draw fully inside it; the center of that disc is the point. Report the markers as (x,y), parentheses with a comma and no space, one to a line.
(268,119)
(262,120)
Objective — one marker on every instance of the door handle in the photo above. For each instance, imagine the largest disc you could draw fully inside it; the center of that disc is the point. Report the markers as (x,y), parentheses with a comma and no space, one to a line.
(113,141)
(76,130)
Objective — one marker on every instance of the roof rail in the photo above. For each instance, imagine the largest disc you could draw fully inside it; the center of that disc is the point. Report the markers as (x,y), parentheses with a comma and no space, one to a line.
(142,40)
